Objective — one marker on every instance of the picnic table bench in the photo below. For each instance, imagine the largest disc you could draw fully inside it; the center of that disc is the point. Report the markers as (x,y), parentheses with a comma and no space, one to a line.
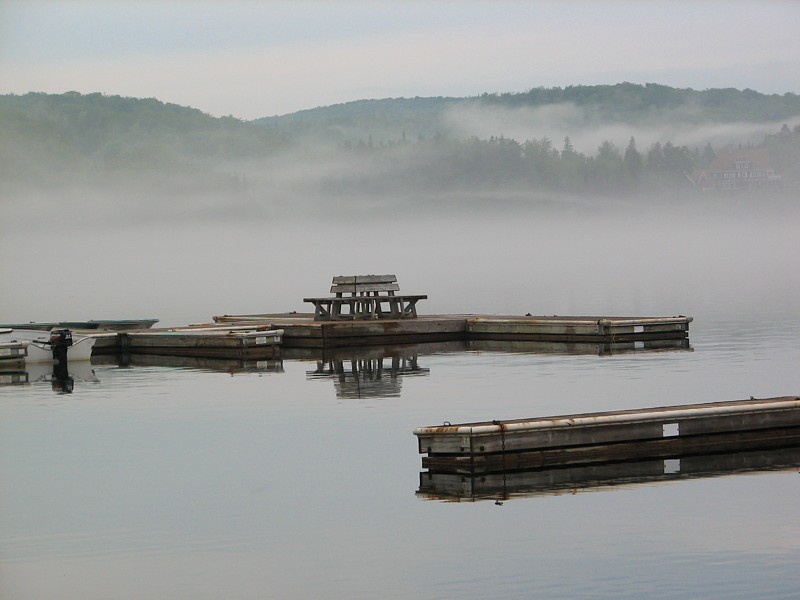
(365,297)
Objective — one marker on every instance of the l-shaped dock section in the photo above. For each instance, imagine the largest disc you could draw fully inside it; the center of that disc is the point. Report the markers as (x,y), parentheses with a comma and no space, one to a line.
(302,331)
(264,335)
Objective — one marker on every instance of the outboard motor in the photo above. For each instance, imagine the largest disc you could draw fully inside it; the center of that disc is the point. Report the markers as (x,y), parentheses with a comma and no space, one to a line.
(60,341)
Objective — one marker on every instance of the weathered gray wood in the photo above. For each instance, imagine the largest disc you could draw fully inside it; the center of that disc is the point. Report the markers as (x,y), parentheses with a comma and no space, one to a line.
(350,279)
(303,330)
(638,449)
(208,343)
(371,297)
(12,350)
(364,288)
(578,329)
(597,432)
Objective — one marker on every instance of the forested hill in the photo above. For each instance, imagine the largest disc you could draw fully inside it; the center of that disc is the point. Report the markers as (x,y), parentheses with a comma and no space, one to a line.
(609,139)
(572,106)
(632,103)
(50,137)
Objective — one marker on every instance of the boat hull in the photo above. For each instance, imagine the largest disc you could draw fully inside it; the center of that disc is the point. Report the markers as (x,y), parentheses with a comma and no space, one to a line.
(37,351)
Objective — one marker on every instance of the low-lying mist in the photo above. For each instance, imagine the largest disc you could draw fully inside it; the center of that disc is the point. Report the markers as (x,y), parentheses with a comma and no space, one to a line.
(159,228)
(110,253)
(587,129)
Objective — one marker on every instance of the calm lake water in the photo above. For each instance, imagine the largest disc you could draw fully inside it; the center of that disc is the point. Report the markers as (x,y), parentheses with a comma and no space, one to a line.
(155,481)
(287,481)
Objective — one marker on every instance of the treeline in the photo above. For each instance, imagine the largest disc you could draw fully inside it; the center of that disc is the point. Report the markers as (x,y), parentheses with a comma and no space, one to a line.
(51,141)
(627,103)
(441,163)
(57,138)
(634,103)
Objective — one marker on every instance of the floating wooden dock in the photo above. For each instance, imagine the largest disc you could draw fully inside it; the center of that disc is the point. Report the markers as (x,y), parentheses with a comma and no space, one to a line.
(302,331)
(663,432)
(242,337)
(237,343)
(12,354)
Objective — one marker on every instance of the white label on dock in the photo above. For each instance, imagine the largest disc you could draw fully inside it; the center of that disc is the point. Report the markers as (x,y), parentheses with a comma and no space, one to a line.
(5,351)
(638,345)
(638,329)
(672,465)
(261,340)
(671,429)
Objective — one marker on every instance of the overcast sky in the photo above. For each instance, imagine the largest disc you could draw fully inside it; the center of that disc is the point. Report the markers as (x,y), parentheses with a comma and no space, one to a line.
(252,59)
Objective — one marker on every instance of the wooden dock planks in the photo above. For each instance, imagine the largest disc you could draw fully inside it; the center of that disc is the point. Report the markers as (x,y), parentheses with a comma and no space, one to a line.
(301,331)
(499,446)
(221,342)
(578,329)
(226,338)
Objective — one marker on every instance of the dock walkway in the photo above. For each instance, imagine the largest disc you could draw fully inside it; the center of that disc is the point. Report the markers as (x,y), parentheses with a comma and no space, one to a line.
(265,335)
(302,331)
(663,432)
(237,343)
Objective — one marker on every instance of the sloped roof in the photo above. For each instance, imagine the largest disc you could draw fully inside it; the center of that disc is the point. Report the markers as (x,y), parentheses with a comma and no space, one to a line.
(728,157)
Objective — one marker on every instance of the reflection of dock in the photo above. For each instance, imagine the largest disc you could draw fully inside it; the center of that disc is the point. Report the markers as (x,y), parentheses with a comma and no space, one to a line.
(80,371)
(597,348)
(369,373)
(587,478)
(662,432)
(231,366)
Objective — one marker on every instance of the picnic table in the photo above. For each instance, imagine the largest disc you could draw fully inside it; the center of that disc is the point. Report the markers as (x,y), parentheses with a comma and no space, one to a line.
(365,297)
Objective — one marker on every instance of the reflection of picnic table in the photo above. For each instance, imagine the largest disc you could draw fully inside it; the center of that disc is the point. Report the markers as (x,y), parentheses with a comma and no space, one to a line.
(365,297)
(368,376)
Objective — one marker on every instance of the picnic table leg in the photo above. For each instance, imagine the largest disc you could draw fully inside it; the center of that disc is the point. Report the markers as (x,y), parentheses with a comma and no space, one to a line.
(322,310)
(371,308)
(378,308)
(397,308)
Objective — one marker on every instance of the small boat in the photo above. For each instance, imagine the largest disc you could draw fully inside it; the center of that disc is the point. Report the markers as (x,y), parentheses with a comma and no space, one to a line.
(116,324)
(93,324)
(34,345)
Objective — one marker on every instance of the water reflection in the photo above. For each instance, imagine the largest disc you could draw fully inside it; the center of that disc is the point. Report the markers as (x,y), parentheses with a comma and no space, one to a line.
(62,378)
(590,478)
(358,372)
(599,349)
(232,366)
(373,372)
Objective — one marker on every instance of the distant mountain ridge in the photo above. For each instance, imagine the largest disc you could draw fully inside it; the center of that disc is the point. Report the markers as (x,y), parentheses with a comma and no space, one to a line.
(624,103)
(575,138)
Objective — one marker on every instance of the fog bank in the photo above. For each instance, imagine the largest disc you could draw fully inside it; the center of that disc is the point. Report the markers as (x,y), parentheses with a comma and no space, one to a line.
(725,257)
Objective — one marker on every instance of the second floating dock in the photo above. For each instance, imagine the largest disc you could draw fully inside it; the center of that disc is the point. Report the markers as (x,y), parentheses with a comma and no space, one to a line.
(502,446)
